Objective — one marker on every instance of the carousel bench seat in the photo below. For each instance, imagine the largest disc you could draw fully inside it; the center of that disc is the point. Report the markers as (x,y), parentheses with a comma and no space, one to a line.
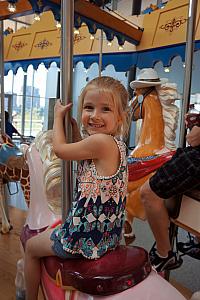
(115,272)
(184,211)
(195,194)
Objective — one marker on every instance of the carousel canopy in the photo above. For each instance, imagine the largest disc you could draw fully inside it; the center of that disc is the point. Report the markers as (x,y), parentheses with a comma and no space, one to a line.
(85,12)
(163,39)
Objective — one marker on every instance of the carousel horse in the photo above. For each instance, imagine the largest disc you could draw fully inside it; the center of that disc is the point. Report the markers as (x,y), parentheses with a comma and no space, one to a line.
(82,279)
(155,146)
(13,168)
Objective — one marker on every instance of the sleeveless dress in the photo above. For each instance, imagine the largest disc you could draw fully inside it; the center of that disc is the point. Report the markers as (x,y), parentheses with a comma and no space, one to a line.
(95,221)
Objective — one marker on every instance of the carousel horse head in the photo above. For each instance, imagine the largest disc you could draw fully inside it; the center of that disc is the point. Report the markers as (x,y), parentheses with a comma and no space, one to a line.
(13,168)
(51,165)
(154,105)
(45,183)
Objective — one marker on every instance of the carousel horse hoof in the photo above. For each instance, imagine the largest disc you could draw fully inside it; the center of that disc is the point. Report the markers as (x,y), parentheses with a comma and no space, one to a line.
(195,296)
(20,295)
(6,230)
(104,276)
(129,236)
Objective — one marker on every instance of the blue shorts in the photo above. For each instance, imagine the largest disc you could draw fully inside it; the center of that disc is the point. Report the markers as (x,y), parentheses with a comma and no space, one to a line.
(59,251)
(180,174)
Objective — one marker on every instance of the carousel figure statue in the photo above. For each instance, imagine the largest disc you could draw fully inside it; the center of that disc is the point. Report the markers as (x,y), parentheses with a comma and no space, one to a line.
(154,104)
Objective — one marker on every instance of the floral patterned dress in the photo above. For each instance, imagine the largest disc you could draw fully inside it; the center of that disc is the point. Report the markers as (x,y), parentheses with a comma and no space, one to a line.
(94,224)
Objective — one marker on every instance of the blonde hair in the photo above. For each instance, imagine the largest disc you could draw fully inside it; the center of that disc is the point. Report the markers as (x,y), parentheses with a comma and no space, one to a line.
(114,90)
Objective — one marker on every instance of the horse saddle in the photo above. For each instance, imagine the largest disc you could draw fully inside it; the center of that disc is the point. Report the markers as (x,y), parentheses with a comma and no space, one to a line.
(139,167)
(113,273)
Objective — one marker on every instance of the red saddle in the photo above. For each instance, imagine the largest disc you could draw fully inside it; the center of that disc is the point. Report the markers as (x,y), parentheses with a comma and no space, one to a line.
(140,167)
(113,273)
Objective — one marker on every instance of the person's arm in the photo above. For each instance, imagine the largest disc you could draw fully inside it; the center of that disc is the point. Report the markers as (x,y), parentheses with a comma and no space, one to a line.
(59,138)
(193,137)
(60,112)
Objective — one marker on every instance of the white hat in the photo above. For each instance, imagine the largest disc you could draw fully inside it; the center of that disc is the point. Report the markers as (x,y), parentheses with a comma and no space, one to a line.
(147,77)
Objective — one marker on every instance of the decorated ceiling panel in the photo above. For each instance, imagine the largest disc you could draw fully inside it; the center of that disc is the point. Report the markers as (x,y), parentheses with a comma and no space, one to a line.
(168,26)
(163,38)
(84,12)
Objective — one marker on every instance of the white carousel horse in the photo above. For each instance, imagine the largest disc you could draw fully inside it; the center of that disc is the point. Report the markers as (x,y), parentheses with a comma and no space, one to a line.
(155,146)
(13,168)
(102,279)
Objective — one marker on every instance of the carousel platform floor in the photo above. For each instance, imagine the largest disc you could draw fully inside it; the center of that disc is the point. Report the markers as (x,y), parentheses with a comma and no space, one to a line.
(10,253)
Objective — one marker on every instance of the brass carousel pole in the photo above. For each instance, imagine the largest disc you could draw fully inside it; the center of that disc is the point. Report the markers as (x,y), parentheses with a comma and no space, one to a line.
(2,77)
(186,89)
(5,203)
(100,52)
(188,67)
(67,13)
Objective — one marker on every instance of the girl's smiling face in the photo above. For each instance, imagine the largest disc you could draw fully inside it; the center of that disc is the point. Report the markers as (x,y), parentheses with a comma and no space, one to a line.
(99,113)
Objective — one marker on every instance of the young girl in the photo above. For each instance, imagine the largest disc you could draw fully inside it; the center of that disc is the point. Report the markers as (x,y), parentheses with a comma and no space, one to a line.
(96,219)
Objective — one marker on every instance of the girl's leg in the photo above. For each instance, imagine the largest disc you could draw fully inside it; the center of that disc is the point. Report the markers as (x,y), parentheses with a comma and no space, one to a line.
(37,247)
(129,235)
